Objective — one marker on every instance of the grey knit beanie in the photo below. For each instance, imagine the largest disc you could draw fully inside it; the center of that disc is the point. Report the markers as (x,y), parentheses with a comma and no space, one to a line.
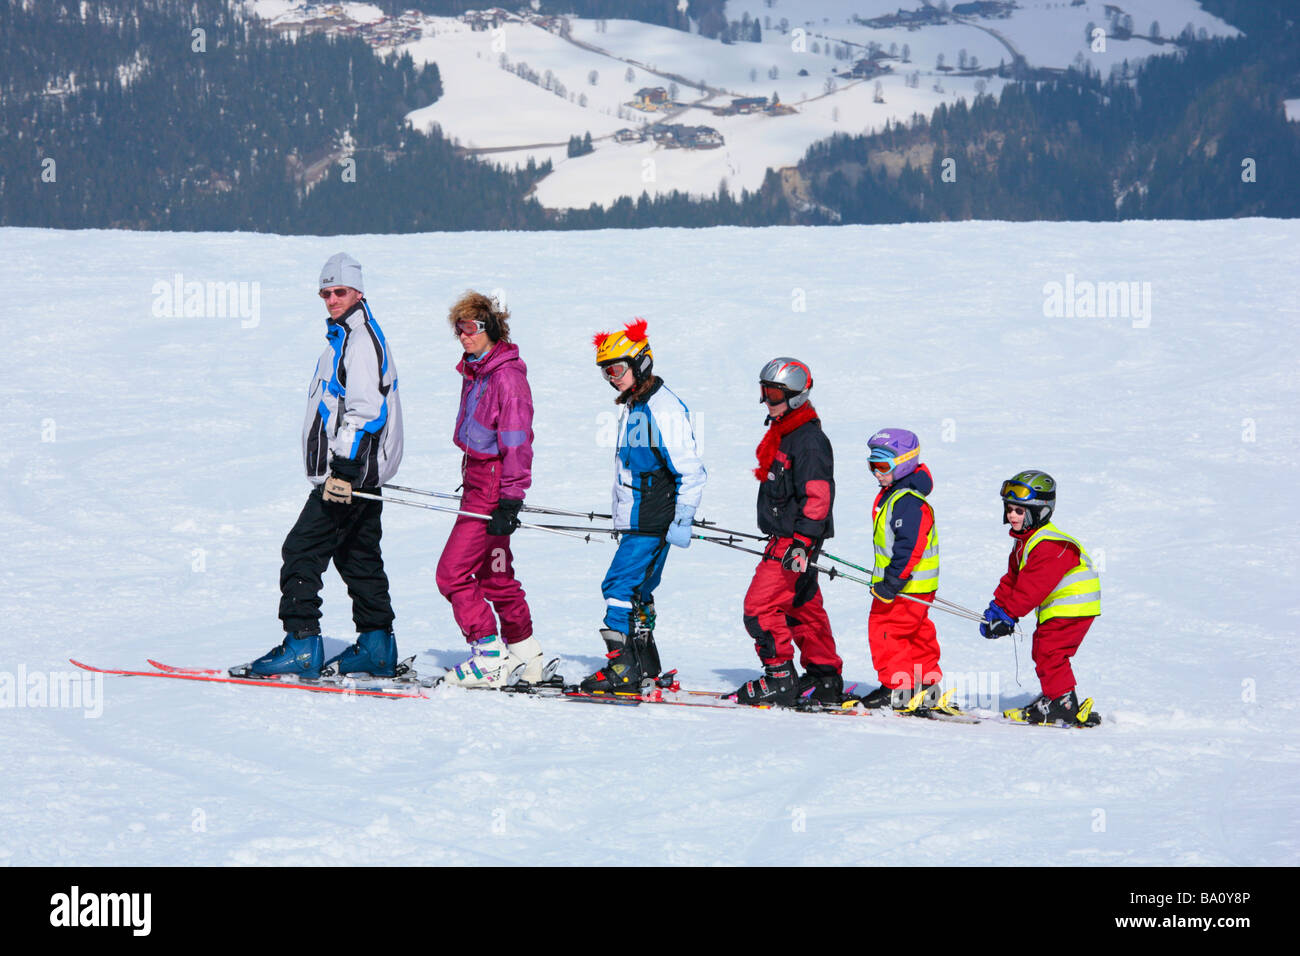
(342,269)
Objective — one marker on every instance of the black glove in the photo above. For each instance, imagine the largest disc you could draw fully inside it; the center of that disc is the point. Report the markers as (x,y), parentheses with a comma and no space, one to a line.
(505,517)
(796,556)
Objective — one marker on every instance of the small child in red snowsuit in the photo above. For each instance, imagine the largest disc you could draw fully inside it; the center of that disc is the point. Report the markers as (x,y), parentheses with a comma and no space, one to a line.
(905,576)
(1050,571)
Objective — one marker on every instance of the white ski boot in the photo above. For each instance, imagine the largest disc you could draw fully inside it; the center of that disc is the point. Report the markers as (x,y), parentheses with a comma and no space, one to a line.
(490,664)
(526,662)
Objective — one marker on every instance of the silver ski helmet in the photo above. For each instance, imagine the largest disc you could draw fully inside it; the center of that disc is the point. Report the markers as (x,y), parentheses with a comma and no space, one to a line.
(894,449)
(790,376)
(1035,491)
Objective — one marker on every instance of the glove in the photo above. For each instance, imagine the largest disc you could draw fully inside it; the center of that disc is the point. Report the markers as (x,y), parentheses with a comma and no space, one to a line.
(337,490)
(505,517)
(997,622)
(886,589)
(796,556)
(679,532)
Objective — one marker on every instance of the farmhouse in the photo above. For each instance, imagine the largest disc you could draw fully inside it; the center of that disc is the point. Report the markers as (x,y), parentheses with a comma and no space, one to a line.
(748,104)
(651,99)
(676,136)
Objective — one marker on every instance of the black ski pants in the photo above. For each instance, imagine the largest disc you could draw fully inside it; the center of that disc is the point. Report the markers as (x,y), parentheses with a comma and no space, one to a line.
(349,535)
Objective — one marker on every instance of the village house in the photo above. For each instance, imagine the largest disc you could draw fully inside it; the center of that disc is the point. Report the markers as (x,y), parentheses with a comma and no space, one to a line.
(677,136)
(651,99)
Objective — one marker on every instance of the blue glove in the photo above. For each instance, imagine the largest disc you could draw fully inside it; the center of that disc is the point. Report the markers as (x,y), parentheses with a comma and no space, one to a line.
(997,622)
(679,532)
(886,589)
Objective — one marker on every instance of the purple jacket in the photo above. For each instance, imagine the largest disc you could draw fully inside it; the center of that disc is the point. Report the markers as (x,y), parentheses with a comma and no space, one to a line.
(496,416)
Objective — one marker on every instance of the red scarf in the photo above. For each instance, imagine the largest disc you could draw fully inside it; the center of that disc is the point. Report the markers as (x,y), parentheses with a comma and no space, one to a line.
(779,428)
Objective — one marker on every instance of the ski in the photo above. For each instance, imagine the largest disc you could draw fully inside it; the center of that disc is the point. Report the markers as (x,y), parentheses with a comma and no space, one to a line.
(720,701)
(672,695)
(217,678)
(406,676)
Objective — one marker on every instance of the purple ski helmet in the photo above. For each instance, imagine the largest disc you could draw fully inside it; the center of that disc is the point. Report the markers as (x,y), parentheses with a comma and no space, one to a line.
(894,449)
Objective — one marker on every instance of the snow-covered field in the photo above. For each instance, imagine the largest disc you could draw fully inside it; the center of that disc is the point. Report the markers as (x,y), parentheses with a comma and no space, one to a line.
(152,468)
(485,106)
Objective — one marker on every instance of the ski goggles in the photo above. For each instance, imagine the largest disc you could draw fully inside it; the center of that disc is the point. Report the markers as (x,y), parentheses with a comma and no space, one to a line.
(1018,491)
(773,394)
(882,462)
(615,370)
(470,327)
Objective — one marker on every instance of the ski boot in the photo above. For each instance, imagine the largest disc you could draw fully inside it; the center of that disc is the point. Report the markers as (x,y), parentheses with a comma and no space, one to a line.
(489,665)
(374,653)
(643,636)
(625,670)
(822,684)
(299,655)
(526,661)
(778,687)
(1020,714)
(1064,710)
(911,700)
(881,697)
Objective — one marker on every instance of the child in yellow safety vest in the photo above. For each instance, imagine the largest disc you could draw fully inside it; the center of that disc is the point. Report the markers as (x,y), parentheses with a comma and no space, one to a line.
(904,578)
(1050,571)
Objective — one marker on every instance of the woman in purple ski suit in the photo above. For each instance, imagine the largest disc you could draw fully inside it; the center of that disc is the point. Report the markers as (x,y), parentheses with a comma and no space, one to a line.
(495,431)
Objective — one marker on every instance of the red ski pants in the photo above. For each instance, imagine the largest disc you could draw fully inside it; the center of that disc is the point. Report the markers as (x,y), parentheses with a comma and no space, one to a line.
(904,645)
(783,610)
(1055,642)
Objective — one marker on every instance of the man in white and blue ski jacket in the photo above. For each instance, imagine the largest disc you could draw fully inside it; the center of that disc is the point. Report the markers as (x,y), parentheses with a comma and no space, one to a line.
(352,439)
(353,425)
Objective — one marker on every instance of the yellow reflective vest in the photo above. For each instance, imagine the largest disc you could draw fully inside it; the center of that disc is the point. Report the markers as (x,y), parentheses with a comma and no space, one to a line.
(1079,593)
(924,578)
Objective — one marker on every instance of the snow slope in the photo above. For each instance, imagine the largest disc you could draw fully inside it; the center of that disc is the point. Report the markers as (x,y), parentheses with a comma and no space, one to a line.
(152,469)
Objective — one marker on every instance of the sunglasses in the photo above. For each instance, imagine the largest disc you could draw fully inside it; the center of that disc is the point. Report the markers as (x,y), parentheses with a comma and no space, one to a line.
(774,394)
(328,294)
(1014,489)
(615,371)
(1016,510)
(470,327)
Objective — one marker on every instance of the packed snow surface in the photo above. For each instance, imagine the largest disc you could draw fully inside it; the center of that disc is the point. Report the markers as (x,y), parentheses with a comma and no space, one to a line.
(152,469)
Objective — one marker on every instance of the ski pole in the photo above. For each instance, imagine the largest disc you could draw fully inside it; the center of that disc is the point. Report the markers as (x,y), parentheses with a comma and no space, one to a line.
(536,509)
(833,573)
(712,526)
(937,600)
(467,514)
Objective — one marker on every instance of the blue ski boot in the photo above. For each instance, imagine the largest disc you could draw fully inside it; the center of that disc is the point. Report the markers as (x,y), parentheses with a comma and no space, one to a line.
(374,653)
(301,656)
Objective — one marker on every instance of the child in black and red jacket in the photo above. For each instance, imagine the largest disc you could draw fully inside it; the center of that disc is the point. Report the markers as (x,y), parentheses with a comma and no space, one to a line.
(783,606)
